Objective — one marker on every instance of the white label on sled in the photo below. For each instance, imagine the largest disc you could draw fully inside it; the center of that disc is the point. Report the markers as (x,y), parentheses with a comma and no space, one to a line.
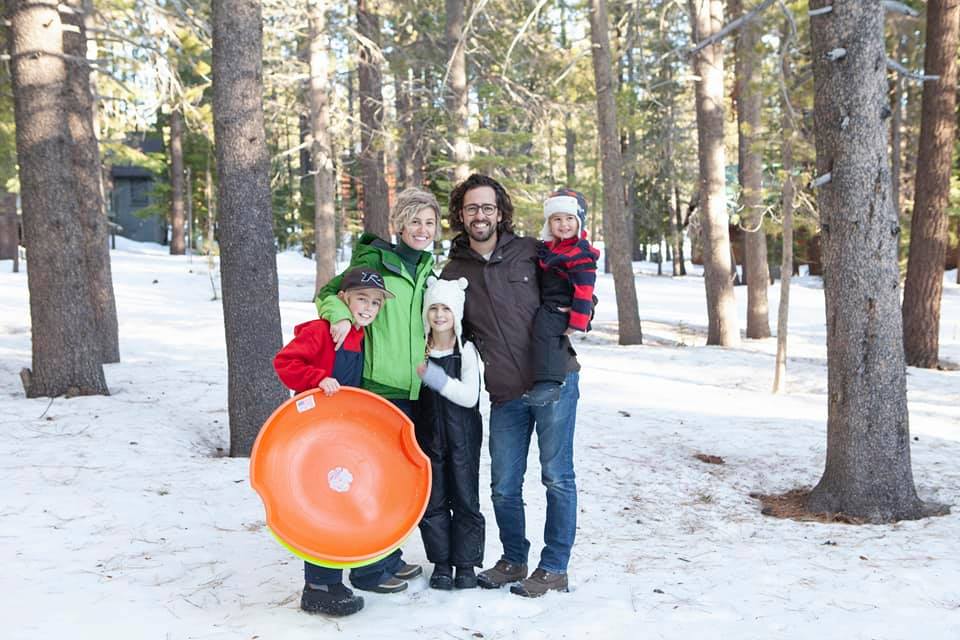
(339,479)
(305,404)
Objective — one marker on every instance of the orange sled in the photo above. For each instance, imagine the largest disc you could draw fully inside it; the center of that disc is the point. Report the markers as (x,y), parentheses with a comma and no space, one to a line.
(342,479)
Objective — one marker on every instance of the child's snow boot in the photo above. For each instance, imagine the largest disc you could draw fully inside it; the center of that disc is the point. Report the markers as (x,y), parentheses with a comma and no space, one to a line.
(466,578)
(442,577)
(330,599)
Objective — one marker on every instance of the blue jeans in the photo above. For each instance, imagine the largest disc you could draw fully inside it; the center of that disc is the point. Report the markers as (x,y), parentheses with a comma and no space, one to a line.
(511,426)
(362,577)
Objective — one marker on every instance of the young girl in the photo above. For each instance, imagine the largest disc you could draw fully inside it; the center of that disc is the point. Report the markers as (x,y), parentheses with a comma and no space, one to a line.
(449,431)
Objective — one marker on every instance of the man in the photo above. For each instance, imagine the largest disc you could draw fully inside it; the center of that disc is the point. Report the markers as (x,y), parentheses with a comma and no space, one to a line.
(502,299)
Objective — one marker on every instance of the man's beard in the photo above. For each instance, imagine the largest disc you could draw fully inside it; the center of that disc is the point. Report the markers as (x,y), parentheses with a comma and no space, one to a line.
(481,235)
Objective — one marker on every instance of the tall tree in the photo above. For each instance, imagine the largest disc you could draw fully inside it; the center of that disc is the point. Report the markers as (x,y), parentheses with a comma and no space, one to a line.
(722,327)
(787,128)
(66,357)
(86,170)
(177,245)
(322,147)
(248,266)
(868,472)
(376,206)
(750,164)
(457,89)
(616,241)
(928,228)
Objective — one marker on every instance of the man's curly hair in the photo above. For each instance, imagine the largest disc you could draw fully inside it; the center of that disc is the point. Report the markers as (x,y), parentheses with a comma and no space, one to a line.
(504,204)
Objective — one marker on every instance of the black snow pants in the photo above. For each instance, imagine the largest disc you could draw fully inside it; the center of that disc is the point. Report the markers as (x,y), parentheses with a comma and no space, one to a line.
(452,526)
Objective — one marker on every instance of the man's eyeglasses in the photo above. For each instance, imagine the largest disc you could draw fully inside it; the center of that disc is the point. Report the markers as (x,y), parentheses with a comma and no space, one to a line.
(486,209)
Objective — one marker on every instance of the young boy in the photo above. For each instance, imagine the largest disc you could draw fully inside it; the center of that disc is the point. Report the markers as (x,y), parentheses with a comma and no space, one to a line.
(569,272)
(309,361)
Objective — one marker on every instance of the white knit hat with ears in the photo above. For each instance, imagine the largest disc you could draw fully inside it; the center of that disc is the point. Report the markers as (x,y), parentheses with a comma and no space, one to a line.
(449,293)
(562,201)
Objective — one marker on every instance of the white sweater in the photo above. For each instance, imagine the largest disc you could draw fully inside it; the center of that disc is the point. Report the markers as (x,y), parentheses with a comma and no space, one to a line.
(465,391)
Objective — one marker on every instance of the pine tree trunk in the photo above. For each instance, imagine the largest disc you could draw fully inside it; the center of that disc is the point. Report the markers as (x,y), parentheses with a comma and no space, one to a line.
(457,90)
(748,99)
(248,266)
(324,182)
(376,203)
(722,326)
(868,472)
(570,153)
(66,355)
(928,229)
(176,182)
(211,210)
(616,242)
(786,263)
(410,162)
(87,172)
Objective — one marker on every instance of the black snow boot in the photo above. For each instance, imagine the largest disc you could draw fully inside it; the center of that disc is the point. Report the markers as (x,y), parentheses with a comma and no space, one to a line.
(332,600)
(442,577)
(466,578)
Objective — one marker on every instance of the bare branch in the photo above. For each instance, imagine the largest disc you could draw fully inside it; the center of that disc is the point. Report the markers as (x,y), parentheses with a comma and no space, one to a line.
(891,6)
(731,26)
(821,11)
(463,39)
(835,54)
(516,39)
(912,75)
(819,181)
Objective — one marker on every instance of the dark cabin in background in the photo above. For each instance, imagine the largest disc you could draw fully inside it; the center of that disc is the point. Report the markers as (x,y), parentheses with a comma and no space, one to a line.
(130,190)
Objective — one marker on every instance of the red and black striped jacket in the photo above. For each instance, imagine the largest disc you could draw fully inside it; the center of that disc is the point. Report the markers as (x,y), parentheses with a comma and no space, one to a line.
(574,260)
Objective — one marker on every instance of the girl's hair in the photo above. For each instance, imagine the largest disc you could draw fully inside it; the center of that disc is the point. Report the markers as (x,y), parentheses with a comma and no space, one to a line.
(409,203)
(504,204)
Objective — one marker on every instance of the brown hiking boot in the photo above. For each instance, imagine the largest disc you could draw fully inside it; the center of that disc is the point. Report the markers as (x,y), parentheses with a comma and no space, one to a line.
(501,573)
(539,583)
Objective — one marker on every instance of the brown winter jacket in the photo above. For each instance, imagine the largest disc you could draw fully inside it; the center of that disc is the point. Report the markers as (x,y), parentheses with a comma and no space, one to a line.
(502,298)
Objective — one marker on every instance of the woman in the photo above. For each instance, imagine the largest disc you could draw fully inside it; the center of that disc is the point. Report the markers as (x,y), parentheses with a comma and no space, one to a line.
(395,343)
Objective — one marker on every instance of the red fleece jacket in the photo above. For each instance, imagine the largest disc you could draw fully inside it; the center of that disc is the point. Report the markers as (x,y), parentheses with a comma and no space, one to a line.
(309,357)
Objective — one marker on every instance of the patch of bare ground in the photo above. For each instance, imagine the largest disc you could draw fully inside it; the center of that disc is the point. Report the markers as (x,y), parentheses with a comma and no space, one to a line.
(792,505)
(708,458)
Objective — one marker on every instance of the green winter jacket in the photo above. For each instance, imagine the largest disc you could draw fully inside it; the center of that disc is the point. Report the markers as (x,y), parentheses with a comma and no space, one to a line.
(394,343)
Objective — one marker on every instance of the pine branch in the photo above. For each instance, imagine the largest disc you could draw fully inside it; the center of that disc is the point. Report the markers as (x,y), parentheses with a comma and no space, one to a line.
(731,26)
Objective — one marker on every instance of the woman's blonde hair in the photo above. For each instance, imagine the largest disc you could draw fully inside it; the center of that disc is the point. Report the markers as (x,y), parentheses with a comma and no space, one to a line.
(408,204)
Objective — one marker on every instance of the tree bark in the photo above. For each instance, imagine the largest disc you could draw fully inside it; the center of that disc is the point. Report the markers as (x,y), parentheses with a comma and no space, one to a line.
(748,99)
(616,242)
(176,182)
(570,153)
(323,178)
(457,90)
(868,472)
(928,228)
(66,356)
(248,266)
(376,201)
(87,173)
(722,326)
(896,128)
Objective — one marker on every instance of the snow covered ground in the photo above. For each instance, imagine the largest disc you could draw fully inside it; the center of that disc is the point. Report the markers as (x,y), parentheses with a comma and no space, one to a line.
(120,517)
